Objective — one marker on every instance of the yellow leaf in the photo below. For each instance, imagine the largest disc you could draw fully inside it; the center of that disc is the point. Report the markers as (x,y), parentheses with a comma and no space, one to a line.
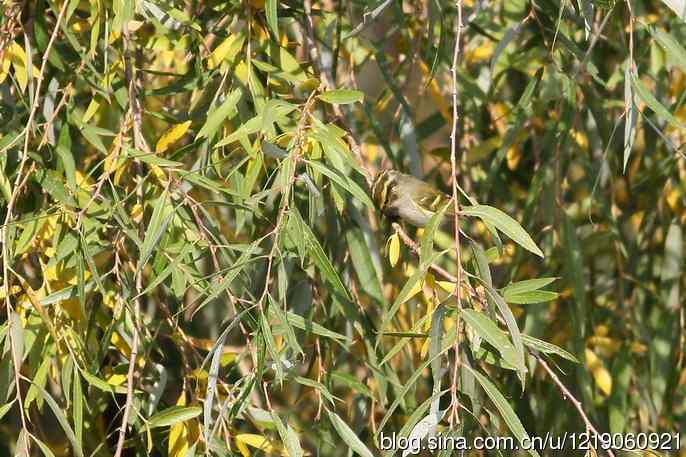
(481,53)
(91,110)
(446,285)
(600,374)
(514,155)
(4,68)
(259,442)
(137,213)
(13,291)
(178,434)
(171,136)
(243,449)
(18,57)
(227,50)
(116,379)
(227,358)
(425,347)
(393,249)
(436,94)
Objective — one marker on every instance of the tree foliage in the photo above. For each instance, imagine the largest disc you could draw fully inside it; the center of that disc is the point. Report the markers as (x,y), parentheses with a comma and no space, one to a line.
(192,263)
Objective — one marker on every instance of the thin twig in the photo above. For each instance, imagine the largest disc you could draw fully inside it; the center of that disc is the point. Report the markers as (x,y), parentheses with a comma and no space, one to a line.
(454,402)
(139,142)
(567,394)
(19,183)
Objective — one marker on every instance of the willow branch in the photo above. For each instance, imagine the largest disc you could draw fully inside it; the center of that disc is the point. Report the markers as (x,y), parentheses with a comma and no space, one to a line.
(567,394)
(454,417)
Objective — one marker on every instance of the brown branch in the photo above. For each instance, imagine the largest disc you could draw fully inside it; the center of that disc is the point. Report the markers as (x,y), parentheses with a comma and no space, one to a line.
(454,402)
(135,111)
(19,183)
(567,394)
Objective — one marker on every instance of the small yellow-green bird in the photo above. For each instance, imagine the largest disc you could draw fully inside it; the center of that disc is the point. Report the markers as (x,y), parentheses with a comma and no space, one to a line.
(403,197)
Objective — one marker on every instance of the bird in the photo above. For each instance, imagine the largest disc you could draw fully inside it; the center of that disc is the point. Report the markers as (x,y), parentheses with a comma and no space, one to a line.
(401,197)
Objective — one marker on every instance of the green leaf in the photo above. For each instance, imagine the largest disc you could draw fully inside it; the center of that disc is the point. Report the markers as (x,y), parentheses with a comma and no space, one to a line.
(270,9)
(534,296)
(155,229)
(504,408)
(505,224)
(215,119)
(547,348)
(312,327)
(653,103)
(631,116)
(364,267)
(61,418)
(348,435)
(288,437)
(526,286)
(525,292)
(490,332)
(102,385)
(317,253)
(173,415)
(671,45)
(342,96)
(343,181)
(678,6)
(317,386)
(52,183)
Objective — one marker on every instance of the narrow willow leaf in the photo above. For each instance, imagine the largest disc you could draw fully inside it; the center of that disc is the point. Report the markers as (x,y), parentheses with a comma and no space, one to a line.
(155,229)
(436,332)
(510,34)
(47,452)
(490,332)
(674,49)
(587,12)
(215,118)
(318,386)
(363,264)
(227,50)
(288,437)
(407,385)
(215,354)
(101,384)
(343,181)
(341,96)
(678,6)
(17,334)
(531,297)
(64,151)
(348,435)
(318,255)
(504,408)
(426,243)
(631,115)
(173,415)
(270,8)
(505,224)
(394,249)
(52,183)
(512,327)
(61,418)
(312,327)
(77,408)
(547,348)
(653,103)
(6,407)
(171,136)
(271,346)
(526,286)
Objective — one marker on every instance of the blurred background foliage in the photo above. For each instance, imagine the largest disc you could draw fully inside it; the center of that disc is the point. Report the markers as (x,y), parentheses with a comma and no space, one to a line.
(189,248)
